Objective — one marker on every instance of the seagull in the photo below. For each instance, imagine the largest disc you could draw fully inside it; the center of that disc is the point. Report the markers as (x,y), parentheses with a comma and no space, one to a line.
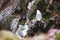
(25,27)
(38,15)
(23,33)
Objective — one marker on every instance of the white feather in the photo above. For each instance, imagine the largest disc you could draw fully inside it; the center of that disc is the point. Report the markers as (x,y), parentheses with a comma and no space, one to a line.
(23,33)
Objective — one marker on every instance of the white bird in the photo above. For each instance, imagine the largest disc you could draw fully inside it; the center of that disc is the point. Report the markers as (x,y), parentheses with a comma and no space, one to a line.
(38,15)
(22,30)
(23,33)
(25,27)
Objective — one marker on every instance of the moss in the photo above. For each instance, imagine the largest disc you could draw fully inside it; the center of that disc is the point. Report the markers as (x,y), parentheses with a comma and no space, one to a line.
(22,22)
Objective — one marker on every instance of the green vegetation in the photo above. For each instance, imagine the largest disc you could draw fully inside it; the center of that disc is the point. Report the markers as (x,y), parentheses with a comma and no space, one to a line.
(58,36)
(22,22)
(45,19)
(33,15)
